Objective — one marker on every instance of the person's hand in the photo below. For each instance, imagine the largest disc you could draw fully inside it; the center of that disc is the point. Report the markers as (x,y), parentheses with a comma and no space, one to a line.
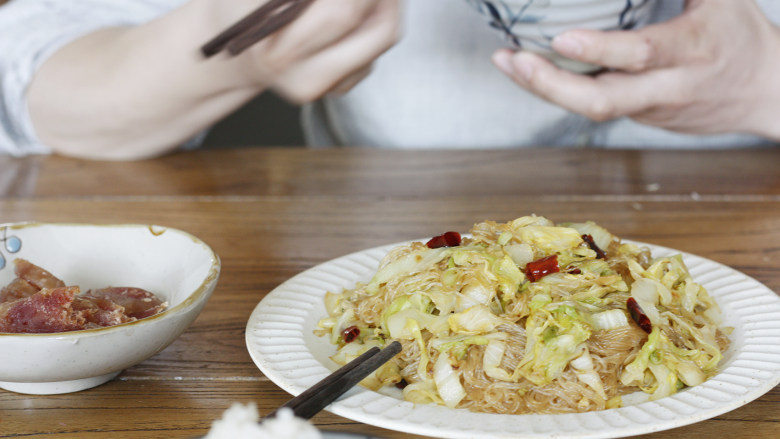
(330,47)
(144,90)
(712,69)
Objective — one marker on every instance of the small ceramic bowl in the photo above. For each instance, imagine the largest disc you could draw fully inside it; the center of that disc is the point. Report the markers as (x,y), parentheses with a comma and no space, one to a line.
(176,266)
(532,24)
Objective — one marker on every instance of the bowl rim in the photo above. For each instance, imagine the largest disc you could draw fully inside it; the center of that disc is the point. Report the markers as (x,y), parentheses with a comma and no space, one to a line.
(202,292)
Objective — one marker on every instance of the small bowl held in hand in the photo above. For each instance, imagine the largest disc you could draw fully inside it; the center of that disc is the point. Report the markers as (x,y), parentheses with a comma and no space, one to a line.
(532,24)
(175,266)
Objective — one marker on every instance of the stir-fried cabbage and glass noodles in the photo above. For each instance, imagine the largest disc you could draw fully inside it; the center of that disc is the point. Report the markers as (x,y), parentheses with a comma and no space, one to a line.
(530,317)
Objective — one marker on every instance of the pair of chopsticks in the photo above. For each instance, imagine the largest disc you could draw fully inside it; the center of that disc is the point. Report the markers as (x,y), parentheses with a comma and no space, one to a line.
(265,20)
(320,395)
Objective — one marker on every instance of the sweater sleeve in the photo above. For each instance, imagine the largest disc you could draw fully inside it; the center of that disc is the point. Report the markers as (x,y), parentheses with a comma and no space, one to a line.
(31,31)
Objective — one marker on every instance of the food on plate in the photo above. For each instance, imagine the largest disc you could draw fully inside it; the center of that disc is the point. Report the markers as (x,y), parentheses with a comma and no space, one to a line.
(242,422)
(38,302)
(530,317)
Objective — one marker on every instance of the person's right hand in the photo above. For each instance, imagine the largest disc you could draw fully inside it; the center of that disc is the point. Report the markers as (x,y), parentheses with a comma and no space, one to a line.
(129,92)
(330,47)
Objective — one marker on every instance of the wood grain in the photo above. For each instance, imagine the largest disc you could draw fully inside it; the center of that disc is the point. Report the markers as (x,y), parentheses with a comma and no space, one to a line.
(271,213)
(392,173)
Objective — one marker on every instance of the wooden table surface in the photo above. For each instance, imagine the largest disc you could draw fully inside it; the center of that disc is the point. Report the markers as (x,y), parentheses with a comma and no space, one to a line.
(271,213)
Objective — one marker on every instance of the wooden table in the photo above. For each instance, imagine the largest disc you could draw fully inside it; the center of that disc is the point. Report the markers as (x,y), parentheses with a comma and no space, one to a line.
(271,213)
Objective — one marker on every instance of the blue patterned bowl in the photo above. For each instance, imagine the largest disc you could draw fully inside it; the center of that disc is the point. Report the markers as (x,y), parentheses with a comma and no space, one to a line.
(532,24)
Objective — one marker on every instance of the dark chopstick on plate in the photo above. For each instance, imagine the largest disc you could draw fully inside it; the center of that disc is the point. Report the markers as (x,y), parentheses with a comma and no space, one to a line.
(262,22)
(320,395)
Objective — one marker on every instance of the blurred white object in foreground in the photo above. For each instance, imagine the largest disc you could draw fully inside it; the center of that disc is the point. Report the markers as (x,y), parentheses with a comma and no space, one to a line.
(242,422)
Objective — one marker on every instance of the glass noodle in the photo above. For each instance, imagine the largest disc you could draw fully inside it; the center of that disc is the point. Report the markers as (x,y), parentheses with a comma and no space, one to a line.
(530,317)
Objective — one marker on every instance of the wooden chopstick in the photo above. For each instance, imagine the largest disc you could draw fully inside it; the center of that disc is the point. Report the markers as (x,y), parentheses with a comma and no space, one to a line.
(320,395)
(263,21)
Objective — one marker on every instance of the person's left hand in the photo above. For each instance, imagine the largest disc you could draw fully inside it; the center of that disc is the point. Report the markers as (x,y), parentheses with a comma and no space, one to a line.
(712,69)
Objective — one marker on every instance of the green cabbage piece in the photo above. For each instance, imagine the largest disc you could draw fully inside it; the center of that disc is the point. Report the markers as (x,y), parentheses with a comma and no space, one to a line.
(491,360)
(475,320)
(661,368)
(447,381)
(550,239)
(554,338)
(601,236)
(413,262)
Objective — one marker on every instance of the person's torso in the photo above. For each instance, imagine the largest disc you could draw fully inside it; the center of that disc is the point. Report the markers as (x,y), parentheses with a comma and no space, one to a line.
(438,89)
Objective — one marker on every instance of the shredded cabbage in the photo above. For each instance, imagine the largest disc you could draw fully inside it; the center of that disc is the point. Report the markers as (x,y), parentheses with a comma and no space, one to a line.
(478,333)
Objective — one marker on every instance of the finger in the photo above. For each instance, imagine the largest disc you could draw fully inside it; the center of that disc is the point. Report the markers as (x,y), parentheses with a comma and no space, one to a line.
(656,46)
(627,51)
(321,72)
(604,97)
(351,81)
(324,23)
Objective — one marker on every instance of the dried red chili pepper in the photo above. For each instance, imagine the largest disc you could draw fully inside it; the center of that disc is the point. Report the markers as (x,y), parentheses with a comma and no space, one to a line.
(638,315)
(540,268)
(350,334)
(448,239)
(600,254)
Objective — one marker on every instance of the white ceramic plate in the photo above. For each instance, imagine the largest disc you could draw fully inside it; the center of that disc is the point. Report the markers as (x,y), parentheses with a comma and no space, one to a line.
(280,340)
